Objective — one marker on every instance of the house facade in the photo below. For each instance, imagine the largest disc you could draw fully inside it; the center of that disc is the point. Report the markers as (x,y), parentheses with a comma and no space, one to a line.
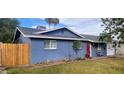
(57,44)
(111,51)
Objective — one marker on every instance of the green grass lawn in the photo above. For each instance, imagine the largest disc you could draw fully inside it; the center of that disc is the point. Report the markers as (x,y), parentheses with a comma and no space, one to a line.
(97,66)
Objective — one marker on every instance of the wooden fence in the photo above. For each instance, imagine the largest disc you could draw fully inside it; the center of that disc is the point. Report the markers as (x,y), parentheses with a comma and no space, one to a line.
(14,54)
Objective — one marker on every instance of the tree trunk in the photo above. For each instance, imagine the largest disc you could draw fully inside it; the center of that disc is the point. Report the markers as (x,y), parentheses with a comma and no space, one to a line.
(115,51)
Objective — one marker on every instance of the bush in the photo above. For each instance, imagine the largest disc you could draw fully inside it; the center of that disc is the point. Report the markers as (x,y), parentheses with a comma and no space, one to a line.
(80,58)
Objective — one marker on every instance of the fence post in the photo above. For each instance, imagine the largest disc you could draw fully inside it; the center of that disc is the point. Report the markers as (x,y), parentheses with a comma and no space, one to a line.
(0,53)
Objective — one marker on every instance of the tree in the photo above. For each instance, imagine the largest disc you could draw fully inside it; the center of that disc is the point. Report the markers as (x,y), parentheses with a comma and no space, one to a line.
(55,21)
(114,28)
(51,21)
(104,36)
(7,28)
(76,46)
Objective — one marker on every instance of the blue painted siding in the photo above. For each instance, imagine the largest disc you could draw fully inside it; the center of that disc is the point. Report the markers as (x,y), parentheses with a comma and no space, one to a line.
(23,39)
(103,49)
(64,50)
(94,51)
(63,33)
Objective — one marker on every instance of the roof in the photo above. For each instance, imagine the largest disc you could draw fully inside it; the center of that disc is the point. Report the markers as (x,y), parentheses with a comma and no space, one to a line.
(27,31)
(40,32)
(91,37)
(35,33)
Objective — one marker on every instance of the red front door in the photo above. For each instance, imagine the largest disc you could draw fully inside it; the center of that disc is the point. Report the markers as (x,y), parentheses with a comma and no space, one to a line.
(88,50)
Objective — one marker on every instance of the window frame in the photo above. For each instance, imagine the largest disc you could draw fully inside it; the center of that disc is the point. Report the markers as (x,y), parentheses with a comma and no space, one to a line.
(51,45)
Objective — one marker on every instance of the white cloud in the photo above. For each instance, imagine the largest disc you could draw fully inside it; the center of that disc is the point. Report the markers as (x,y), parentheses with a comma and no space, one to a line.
(83,25)
(34,26)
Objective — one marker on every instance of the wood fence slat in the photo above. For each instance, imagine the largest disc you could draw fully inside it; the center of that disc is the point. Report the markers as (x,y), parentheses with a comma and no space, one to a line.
(23,54)
(0,55)
(15,54)
(20,54)
(5,55)
(28,53)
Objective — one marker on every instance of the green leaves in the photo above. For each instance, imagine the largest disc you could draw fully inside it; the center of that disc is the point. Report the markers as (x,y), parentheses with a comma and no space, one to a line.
(76,46)
(7,28)
(113,27)
(48,20)
(51,21)
(105,37)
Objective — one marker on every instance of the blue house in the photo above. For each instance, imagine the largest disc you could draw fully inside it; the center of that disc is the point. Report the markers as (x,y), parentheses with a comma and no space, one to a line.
(54,45)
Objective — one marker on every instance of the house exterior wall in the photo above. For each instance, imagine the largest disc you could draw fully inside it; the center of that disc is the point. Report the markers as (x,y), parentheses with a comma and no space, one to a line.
(110,49)
(62,32)
(23,39)
(95,51)
(120,50)
(64,50)
(104,49)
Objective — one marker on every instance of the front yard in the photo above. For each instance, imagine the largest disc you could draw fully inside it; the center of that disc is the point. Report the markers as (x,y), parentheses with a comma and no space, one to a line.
(95,66)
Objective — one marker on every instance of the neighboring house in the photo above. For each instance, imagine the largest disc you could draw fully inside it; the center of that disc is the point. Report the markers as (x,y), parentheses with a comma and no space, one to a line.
(110,49)
(54,45)
(120,50)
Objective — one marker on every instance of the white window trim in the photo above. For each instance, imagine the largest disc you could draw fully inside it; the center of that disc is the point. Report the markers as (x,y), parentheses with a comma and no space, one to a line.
(51,44)
(99,48)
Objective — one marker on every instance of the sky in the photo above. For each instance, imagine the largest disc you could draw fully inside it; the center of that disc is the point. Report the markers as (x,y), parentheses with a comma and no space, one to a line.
(90,26)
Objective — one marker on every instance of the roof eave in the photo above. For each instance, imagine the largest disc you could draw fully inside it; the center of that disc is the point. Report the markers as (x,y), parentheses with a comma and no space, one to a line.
(50,37)
(62,38)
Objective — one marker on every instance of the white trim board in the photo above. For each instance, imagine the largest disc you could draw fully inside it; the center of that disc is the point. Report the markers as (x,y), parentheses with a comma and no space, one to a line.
(50,37)
(90,50)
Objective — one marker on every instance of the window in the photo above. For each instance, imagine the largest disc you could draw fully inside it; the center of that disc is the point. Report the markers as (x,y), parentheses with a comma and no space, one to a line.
(50,44)
(99,47)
